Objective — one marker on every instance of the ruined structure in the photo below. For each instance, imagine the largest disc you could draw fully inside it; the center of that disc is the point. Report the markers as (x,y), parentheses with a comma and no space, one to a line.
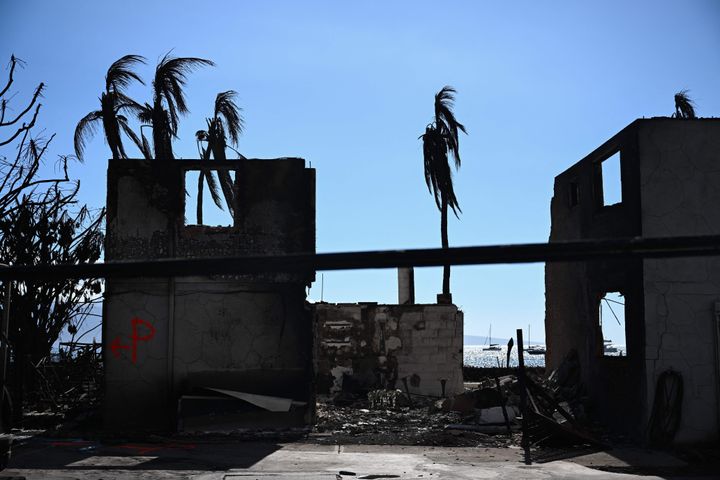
(166,339)
(670,174)
(365,346)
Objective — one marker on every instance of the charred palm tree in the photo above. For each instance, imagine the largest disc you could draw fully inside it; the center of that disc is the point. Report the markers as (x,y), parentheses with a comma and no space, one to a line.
(440,140)
(205,176)
(226,123)
(684,106)
(168,101)
(113,101)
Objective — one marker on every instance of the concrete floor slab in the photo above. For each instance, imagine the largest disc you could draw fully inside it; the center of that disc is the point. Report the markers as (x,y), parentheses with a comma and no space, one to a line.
(82,460)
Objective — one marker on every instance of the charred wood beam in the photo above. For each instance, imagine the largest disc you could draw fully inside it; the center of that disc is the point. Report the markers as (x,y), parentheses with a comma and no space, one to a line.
(587,250)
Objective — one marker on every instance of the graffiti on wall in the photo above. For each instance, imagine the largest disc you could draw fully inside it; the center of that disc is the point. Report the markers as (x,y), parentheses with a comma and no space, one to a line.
(149,332)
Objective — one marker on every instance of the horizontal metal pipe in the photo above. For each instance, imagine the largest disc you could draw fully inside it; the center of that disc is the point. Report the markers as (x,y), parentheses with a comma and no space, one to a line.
(484,255)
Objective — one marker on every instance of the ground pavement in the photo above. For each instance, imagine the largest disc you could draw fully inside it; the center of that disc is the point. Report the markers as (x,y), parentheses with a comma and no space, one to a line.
(46,458)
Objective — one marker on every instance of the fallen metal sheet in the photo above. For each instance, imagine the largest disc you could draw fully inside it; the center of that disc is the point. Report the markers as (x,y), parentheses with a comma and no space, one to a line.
(272,404)
(495,415)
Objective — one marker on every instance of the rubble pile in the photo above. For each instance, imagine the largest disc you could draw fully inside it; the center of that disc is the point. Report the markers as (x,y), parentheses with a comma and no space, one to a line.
(472,418)
(374,422)
(487,413)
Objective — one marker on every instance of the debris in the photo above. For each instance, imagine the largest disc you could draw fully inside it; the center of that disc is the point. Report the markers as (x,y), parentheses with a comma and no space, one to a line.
(487,429)
(463,403)
(442,405)
(497,416)
(421,425)
(272,404)
(407,390)
(384,399)
(502,403)
(549,422)
(565,382)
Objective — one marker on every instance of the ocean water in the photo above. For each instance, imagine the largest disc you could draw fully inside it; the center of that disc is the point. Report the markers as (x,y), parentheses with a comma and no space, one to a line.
(475,356)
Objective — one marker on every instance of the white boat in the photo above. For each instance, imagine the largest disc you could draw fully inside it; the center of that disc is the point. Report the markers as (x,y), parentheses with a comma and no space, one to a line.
(608,347)
(495,347)
(535,350)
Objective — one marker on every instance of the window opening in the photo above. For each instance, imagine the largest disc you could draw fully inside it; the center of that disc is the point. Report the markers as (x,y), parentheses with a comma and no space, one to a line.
(612,324)
(611,180)
(216,191)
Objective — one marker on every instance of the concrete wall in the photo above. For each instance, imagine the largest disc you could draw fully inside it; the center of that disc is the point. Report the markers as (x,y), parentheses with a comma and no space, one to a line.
(670,172)
(246,333)
(370,346)
(680,179)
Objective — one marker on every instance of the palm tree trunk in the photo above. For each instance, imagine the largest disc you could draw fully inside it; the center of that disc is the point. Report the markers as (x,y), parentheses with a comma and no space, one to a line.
(161,134)
(445,244)
(112,137)
(226,182)
(201,181)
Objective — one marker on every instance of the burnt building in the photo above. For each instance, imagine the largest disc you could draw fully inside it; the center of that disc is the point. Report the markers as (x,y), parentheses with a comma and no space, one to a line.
(366,346)
(669,186)
(171,344)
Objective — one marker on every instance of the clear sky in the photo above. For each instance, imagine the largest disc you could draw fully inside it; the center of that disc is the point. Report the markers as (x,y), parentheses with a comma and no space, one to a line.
(349,87)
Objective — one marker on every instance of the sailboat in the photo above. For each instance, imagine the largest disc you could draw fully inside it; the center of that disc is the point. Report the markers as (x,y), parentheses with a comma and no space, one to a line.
(491,346)
(534,349)
(608,347)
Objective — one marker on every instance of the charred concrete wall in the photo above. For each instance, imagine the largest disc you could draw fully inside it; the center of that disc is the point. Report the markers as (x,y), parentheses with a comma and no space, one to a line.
(365,346)
(574,290)
(669,170)
(680,184)
(165,336)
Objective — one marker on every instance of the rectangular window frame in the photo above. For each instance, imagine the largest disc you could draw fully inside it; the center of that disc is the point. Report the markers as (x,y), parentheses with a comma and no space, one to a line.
(600,180)
(605,349)
(195,167)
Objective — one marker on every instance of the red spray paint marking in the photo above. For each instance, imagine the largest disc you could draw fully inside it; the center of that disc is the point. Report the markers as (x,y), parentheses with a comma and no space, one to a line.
(116,346)
(75,443)
(135,338)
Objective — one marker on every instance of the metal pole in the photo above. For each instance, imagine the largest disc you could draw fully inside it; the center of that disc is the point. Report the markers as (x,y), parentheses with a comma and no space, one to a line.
(4,330)
(523,391)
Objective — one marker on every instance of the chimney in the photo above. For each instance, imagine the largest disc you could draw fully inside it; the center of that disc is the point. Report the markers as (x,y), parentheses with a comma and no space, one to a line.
(406,285)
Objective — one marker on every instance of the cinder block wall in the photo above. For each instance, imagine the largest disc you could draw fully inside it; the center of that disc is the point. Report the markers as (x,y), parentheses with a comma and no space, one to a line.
(365,346)
(670,171)
(680,178)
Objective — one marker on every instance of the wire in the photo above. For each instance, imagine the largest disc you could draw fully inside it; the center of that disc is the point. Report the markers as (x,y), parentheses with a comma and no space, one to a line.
(612,311)
(613,301)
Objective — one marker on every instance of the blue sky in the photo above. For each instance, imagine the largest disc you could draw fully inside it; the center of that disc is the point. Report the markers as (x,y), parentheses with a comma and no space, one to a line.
(349,87)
